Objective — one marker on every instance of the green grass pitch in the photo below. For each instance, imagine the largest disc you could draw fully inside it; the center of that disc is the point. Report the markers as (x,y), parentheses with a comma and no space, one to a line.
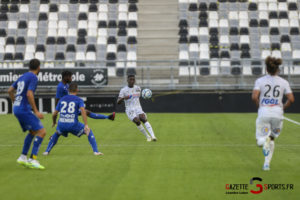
(195,157)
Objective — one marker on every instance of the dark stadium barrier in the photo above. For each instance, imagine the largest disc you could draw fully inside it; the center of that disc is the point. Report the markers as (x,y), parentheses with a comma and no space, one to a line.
(165,102)
(52,76)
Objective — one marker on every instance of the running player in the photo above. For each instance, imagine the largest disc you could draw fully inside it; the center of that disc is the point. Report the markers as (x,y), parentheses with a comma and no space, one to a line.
(61,91)
(68,107)
(131,94)
(267,95)
(23,104)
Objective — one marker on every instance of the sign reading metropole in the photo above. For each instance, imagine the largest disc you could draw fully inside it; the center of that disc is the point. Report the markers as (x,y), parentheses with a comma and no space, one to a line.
(51,77)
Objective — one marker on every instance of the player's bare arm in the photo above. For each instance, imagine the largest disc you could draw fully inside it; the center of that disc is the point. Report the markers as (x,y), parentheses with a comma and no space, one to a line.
(255,97)
(11,93)
(290,99)
(56,101)
(30,97)
(54,117)
(84,118)
(120,99)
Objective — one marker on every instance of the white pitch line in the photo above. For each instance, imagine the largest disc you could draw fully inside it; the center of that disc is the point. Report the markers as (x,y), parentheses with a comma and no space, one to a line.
(159,145)
(293,121)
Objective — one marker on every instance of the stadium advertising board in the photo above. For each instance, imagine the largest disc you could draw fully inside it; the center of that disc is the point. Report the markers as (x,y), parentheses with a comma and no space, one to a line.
(51,77)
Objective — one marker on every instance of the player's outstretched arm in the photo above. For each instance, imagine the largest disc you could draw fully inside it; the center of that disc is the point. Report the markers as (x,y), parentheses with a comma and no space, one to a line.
(255,97)
(31,101)
(121,99)
(54,117)
(290,99)
(11,93)
(84,118)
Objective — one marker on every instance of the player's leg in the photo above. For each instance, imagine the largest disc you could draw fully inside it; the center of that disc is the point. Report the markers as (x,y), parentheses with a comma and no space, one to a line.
(132,116)
(100,116)
(139,125)
(29,121)
(263,131)
(148,126)
(26,146)
(39,136)
(52,143)
(276,127)
(78,130)
(27,141)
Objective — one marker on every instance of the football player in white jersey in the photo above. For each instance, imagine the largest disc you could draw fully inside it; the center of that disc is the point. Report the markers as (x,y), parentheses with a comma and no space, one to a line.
(267,95)
(130,94)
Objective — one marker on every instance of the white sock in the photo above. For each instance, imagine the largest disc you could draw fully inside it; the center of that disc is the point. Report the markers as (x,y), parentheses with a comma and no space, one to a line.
(141,128)
(149,128)
(269,157)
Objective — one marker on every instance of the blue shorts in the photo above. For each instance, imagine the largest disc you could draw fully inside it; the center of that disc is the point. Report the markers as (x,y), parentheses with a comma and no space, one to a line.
(76,129)
(29,121)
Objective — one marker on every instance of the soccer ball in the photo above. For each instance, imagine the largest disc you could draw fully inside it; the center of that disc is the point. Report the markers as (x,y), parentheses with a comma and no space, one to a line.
(146,93)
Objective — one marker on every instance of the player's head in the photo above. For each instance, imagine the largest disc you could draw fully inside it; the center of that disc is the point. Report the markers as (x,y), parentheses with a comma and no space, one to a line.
(66,76)
(34,65)
(131,80)
(272,65)
(73,88)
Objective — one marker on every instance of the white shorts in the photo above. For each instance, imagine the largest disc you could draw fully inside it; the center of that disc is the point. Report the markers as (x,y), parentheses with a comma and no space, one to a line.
(268,126)
(131,114)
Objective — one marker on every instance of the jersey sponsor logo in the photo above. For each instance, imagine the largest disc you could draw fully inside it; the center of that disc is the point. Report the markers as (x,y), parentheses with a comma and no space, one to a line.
(64,120)
(269,102)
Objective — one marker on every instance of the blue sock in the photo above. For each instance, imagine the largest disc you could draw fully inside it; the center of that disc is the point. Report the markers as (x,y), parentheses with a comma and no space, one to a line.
(93,142)
(27,143)
(97,116)
(36,146)
(52,142)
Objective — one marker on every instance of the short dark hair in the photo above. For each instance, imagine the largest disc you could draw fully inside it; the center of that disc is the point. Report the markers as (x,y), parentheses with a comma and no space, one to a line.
(131,75)
(272,64)
(73,87)
(34,64)
(66,74)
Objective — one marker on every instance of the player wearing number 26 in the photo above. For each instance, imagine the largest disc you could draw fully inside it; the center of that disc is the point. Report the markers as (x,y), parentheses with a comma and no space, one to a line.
(267,94)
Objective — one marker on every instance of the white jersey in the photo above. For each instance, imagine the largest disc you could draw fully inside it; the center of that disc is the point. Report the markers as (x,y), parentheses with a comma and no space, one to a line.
(272,89)
(134,102)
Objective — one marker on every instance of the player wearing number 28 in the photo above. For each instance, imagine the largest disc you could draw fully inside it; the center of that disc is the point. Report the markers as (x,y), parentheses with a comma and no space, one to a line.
(69,107)
(267,95)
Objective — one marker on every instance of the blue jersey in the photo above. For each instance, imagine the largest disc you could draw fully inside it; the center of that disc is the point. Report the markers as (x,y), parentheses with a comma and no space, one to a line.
(68,107)
(62,90)
(27,81)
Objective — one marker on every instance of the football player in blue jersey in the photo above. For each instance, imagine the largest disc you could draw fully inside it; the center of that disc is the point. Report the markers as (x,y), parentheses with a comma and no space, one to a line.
(68,107)
(24,108)
(61,91)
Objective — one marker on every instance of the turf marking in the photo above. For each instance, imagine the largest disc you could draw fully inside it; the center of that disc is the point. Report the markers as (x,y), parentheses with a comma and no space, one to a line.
(293,121)
(159,145)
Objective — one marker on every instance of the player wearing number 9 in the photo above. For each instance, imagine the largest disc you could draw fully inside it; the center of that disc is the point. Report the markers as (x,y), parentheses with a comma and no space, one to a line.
(267,95)
(69,107)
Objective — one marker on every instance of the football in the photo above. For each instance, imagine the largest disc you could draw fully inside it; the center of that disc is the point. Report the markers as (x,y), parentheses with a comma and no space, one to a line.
(146,93)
